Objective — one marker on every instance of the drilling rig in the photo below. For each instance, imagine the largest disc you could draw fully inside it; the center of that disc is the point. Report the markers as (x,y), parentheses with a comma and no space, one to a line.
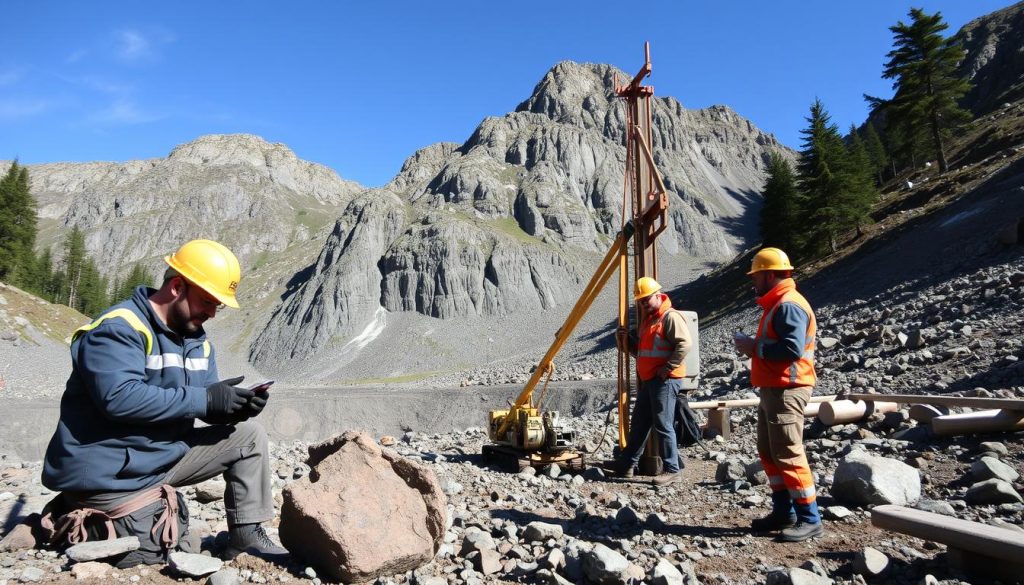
(525,434)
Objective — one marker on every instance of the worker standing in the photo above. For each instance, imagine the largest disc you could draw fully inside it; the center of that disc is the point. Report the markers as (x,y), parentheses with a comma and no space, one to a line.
(141,374)
(782,367)
(660,351)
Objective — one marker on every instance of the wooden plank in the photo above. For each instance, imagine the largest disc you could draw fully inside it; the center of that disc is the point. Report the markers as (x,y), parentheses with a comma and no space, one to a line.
(955,532)
(967,401)
(718,418)
(745,402)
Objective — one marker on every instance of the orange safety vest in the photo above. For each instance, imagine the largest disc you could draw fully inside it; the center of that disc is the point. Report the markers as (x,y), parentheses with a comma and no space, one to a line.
(654,350)
(775,374)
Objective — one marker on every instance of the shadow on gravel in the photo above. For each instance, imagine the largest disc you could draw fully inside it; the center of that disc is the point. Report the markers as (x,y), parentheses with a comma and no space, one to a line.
(609,532)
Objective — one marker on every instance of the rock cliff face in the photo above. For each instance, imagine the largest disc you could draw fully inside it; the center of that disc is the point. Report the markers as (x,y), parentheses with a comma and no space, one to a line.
(513,220)
(995,61)
(254,196)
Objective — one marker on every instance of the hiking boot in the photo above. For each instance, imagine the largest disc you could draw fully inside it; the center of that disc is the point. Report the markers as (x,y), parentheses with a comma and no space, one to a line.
(253,539)
(138,557)
(773,522)
(666,478)
(802,531)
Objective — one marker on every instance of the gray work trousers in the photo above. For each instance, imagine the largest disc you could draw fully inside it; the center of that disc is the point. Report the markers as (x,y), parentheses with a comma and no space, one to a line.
(239,452)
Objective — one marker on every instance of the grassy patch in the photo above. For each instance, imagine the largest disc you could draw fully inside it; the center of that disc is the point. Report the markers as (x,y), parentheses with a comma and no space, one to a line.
(509,226)
(57,322)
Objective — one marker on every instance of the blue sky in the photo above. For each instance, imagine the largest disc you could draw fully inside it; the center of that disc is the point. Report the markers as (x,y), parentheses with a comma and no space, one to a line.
(360,86)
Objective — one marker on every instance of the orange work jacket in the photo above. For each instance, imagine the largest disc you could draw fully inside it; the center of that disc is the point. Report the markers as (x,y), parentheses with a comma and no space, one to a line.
(653,350)
(783,374)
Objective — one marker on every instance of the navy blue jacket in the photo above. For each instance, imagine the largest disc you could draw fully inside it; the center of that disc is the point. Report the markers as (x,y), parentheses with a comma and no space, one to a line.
(125,411)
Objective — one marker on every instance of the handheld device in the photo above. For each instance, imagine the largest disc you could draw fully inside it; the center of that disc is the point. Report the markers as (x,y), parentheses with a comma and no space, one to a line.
(262,386)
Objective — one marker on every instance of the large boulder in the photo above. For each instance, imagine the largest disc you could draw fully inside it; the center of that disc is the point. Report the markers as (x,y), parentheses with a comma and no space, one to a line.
(363,511)
(862,479)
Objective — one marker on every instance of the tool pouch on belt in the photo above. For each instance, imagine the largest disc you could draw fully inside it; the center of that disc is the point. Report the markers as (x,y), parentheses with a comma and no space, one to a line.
(157,517)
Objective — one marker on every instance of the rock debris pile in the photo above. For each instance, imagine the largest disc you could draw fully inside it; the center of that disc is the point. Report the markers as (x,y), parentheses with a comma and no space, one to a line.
(550,526)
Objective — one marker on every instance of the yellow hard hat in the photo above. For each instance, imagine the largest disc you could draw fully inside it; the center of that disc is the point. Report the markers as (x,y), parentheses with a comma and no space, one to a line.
(645,287)
(770,259)
(210,266)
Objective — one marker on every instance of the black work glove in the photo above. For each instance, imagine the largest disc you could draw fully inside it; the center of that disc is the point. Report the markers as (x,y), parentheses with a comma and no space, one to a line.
(225,398)
(255,404)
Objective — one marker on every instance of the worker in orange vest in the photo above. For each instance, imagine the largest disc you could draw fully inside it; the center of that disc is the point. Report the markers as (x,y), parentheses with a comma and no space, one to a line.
(660,351)
(782,367)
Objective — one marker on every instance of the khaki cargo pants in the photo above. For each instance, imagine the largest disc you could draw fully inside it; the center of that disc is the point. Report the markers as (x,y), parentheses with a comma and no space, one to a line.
(780,431)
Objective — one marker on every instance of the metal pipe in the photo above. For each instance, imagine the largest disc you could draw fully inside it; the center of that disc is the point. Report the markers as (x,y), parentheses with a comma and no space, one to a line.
(982,421)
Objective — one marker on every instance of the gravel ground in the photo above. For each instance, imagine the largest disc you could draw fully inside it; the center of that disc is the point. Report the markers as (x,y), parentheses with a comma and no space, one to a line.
(967,343)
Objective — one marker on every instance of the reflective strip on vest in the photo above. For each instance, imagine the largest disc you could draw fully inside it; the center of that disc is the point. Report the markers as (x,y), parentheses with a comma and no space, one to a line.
(650,359)
(153,362)
(125,314)
(173,360)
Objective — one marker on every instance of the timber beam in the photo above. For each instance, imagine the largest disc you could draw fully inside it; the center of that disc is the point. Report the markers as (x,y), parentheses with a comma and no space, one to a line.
(974,547)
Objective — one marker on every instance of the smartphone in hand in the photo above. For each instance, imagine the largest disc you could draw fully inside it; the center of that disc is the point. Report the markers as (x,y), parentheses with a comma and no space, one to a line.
(262,387)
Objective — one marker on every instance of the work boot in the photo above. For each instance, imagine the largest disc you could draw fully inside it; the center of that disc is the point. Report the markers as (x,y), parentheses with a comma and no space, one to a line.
(802,531)
(773,522)
(666,478)
(138,557)
(253,539)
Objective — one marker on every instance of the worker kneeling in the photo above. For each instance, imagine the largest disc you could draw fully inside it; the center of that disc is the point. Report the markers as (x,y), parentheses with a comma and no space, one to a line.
(141,374)
(660,351)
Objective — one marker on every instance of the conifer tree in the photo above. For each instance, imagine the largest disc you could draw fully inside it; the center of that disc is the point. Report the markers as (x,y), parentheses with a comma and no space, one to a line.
(860,192)
(821,171)
(779,212)
(17,225)
(92,297)
(924,65)
(139,276)
(876,152)
(45,283)
(74,268)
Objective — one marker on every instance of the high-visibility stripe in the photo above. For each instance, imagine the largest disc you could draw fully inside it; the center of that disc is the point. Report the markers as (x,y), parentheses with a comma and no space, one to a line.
(125,314)
(197,364)
(653,350)
(173,360)
(804,493)
(206,349)
(776,480)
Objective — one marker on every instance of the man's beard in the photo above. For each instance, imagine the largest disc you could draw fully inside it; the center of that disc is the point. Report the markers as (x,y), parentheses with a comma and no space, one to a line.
(181,323)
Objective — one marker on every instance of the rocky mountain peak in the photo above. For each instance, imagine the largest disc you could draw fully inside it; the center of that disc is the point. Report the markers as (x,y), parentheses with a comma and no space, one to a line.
(251,194)
(230,149)
(579,93)
(512,221)
(995,62)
